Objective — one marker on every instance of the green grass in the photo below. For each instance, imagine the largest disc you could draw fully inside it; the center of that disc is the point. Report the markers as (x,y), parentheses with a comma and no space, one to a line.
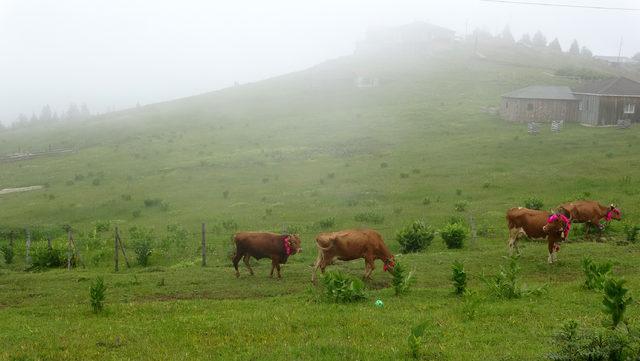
(291,156)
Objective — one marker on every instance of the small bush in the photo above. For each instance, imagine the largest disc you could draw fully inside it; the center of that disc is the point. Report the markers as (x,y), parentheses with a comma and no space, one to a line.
(152,202)
(142,239)
(341,288)
(326,223)
(458,192)
(459,278)
(225,194)
(631,232)
(574,344)
(453,235)
(460,206)
(615,301)
(97,294)
(533,203)
(126,197)
(403,279)
(96,182)
(505,284)
(369,217)
(230,225)
(136,214)
(102,226)
(416,340)
(384,165)
(7,253)
(176,237)
(43,257)
(426,201)
(595,273)
(404,175)
(415,237)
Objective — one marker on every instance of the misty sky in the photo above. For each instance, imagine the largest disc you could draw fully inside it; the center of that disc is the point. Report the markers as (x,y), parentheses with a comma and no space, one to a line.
(115,53)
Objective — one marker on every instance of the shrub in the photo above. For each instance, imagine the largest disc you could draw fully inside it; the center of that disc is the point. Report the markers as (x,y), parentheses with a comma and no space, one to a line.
(415,237)
(459,278)
(97,294)
(595,273)
(453,235)
(460,206)
(126,197)
(369,217)
(102,226)
(533,203)
(7,252)
(505,283)
(416,340)
(43,257)
(631,232)
(225,194)
(326,223)
(404,175)
(152,202)
(426,201)
(342,288)
(230,225)
(96,182)
(615,303)
(574,344)
(402,279)
(176,236)
(384,165)
(142,239)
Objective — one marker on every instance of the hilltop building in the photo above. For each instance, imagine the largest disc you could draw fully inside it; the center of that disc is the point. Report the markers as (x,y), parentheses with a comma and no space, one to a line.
(598,103)
(539,103)
(418,36)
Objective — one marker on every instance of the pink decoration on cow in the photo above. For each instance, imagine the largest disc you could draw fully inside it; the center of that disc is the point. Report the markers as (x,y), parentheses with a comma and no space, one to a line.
(565,220)
(609,216)
(388,265)
(287,246)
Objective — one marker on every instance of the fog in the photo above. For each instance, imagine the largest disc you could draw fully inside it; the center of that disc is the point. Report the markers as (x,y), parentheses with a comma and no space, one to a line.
(114,54)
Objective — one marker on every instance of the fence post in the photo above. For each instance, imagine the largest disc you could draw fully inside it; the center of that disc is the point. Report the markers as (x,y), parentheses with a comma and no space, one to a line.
(28,255)
(69,251)
(49,242)
(115,253)
(126,260)
(204,246)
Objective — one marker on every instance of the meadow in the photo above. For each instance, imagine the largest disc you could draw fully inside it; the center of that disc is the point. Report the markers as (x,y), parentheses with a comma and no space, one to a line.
(304,153)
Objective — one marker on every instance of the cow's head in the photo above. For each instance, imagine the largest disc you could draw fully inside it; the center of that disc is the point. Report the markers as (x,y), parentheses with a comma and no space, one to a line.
(292,244)
(613,213)
(557,223)
(389,264)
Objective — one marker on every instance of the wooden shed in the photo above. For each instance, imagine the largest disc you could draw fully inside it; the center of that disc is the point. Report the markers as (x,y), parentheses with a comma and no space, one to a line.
(540,104)
(608,101)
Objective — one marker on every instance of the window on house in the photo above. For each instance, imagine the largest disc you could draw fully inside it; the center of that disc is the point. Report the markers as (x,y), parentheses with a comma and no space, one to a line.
(629,108)
(581,106)
(530,106)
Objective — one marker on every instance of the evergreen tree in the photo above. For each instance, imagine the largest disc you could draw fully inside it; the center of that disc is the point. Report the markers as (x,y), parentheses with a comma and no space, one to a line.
(539,40)
(586,52)
(555,45)
(507,36)
(84,111)
(575,48)
(45,114)
(525,40)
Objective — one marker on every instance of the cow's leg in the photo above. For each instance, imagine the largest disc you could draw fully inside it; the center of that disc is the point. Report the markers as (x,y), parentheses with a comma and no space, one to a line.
(278,269)
(273,266)
(514,234)
(369,265)
(319,264)
(247,260)
(550,244)
(236,260)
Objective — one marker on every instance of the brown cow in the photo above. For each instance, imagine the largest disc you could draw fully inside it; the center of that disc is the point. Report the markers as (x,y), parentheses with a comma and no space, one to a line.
(537,225)
(349,245)
(590,212)
(259,245)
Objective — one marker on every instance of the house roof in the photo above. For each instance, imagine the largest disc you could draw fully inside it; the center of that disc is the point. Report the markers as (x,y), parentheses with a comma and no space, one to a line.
(542,92)
(613,86)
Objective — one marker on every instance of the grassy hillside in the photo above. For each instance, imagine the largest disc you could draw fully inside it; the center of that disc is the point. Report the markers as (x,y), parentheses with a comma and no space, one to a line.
(292,153)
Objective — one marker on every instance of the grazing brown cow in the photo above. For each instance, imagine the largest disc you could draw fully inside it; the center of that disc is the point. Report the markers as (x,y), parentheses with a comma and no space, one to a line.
(349,245)
(590,212)
(537,225)
(259,245)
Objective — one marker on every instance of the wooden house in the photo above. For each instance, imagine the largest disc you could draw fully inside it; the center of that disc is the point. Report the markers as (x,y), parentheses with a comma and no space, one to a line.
(540,104)
(608,101)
